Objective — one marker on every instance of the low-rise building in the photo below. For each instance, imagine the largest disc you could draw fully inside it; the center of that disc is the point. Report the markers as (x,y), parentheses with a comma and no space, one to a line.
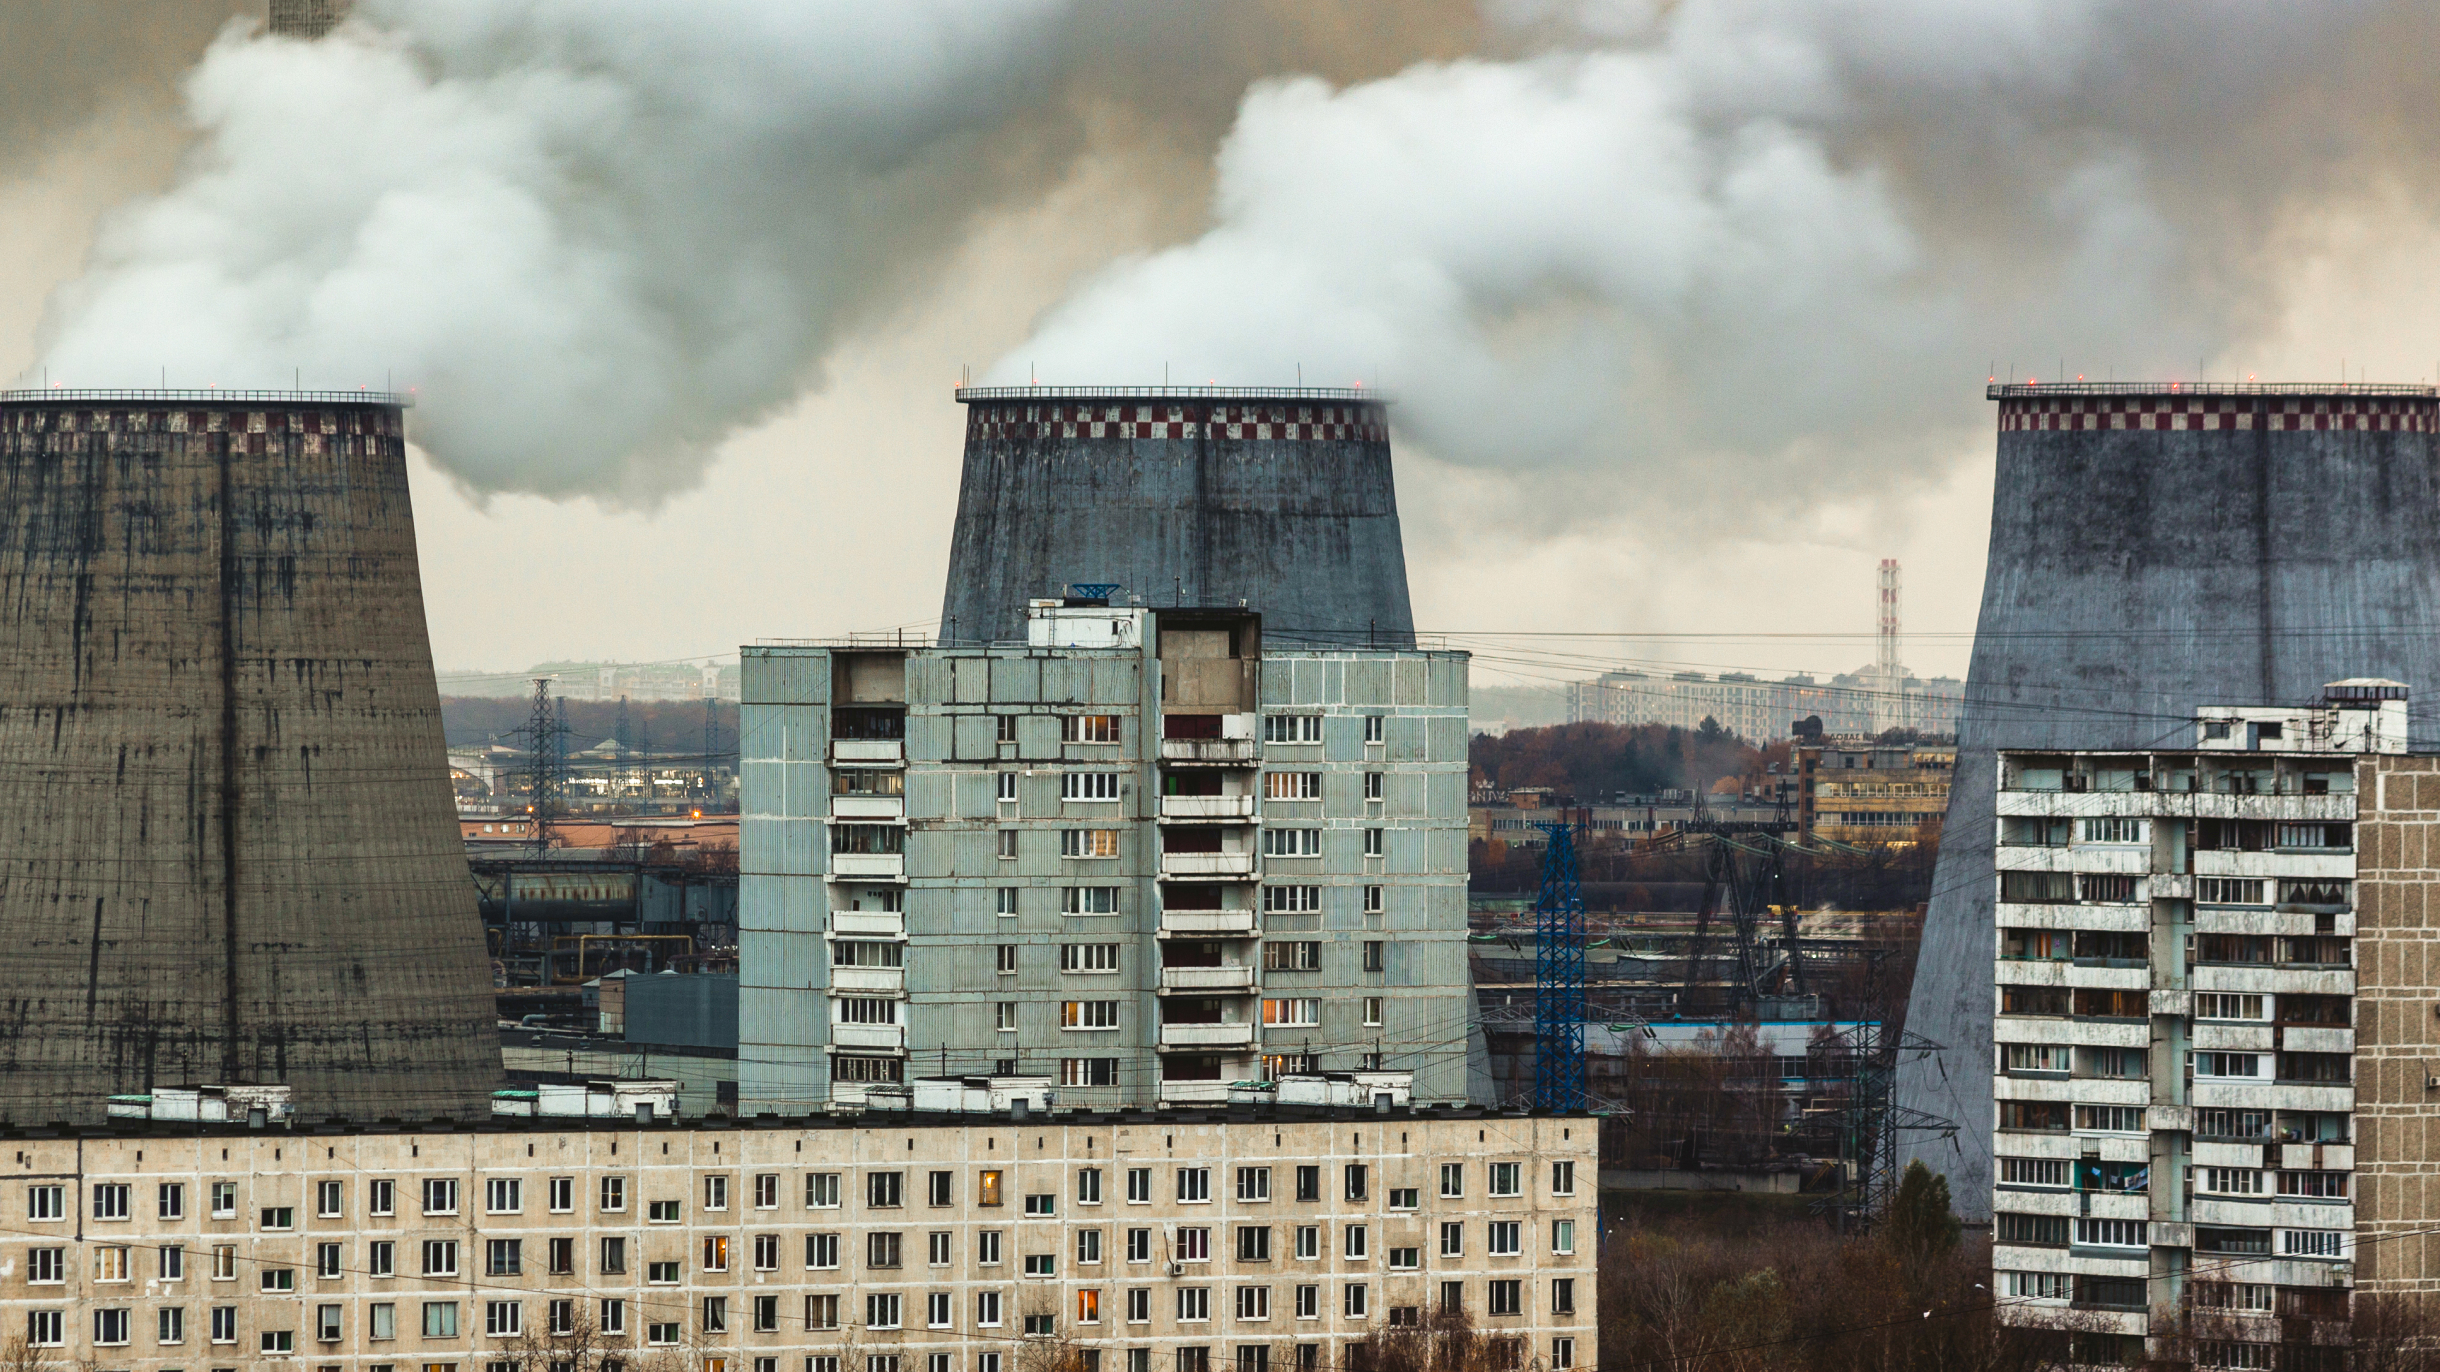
(1861,791)
(920,1243)
(2190,941)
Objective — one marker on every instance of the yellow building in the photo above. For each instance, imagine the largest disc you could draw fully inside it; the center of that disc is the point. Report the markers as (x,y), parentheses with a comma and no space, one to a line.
(1863,792)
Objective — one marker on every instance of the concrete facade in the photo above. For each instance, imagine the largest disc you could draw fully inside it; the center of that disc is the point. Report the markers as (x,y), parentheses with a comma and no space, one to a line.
(932,1244)
(2397,1111)
(1280,501)
(2153,549)
(233,846)
(1148,869)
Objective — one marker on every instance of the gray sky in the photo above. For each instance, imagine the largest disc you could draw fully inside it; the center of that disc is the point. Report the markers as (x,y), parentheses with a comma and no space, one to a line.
(1689,309)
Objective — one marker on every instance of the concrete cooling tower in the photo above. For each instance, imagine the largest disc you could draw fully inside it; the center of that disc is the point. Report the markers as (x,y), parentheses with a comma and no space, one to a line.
(2155,548)
(1184,495)
(231,851)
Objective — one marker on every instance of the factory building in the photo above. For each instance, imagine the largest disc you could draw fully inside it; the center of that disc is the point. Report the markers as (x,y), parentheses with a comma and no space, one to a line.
(931,1243)
(1276,500)
(1860,791)
(2156,548)
(1147,854)
(232,852)
(2192,944)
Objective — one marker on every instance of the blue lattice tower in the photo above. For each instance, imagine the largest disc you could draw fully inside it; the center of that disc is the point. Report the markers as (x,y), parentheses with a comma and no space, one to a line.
(1558,999)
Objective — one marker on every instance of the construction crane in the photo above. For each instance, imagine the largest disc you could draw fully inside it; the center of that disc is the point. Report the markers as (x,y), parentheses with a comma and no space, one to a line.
(1558,991)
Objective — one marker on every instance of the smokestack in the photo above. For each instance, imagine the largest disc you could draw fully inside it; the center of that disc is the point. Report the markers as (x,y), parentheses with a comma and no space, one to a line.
(233,853)
(307,18)
(1277,500)
(2156,548)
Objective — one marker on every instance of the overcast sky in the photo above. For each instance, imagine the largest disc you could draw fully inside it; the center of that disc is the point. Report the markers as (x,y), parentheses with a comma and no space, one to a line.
(1688,308)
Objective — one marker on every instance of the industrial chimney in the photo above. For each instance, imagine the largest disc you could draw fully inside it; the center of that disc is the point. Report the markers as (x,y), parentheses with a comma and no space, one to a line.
(1277,500)
(232,855)
(2156,548)
(307,18)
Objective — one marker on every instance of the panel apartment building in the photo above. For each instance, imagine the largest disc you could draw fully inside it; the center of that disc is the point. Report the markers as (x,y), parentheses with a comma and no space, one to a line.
(1140,854)
(1144,1243)
(2215,1031)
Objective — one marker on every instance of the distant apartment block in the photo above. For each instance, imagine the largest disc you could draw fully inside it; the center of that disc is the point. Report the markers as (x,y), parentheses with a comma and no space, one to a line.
(1141,854)
(1859,791)
(2191,1138)
(1865,701)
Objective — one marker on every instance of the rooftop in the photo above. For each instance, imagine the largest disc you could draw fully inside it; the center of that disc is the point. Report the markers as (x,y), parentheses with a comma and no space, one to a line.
(969,394)
(2014,390)
(61,395)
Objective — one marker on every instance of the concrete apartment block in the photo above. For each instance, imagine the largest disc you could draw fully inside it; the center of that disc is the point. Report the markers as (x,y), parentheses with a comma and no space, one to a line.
(1144,855)
(2181,981)
(917,1244)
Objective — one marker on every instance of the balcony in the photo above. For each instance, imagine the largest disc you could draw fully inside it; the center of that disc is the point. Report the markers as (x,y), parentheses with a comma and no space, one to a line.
(1205,923)
(868,807)
(1206,1035)
(869,923)
(888,1038)
(1207,807)
(887,981)
(1208,979)
(868,750)
(1211,752)
(868,866)
(1207,866)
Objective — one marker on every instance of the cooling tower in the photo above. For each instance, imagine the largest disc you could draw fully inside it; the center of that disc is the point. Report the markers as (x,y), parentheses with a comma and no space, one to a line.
(2156,548)
(229,839)
(1204,496)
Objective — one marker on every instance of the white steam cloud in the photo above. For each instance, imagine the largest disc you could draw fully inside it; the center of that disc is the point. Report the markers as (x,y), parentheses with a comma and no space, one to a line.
(1755,246)
(594,234)
(1740,246)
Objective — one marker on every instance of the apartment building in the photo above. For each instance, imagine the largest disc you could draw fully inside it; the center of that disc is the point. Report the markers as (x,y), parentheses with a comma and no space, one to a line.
(1860,791)
(2179,997)
(1142,854)
(1182,1243)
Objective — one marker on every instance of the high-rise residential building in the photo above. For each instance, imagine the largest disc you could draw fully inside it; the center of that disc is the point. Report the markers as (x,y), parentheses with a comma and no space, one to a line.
(2190,940)
(1141,853)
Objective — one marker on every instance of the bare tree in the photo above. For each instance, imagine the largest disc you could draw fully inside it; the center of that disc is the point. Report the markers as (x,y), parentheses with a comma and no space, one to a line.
(20,1354)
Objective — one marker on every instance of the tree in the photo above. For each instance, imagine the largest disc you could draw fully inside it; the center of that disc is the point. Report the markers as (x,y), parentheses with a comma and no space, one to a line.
(1919,1230)
(20,1354)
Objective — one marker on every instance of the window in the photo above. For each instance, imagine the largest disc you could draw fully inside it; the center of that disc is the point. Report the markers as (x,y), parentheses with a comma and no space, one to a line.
(503,1257)
(881,1310)
(1504,1238)
(1372,785)
(1088,843)
(440,1196)
(224,1200)
(2035,1057)
(1139,1305)
(1563,1178)
(661,1273)
(1452,1180)
(1292,786)
(1409,1259)
(1089,900)
(1088,957)
(1005,901)
(503,1196)
(1253,1302)
(1292,1012)
(1088,1306)
(821,1251)
(2313,1185)
(1005,959)
(48,1328)
(822,1190)
(1088,1071)
(1292,900)
(614,1254)
(1139,1186)
(1357,1176)
(2229,891)
(381,1258)
(1089,786)
(821,1312)
(110,1201)
(1194,1303)
(662,1333)
(2213,1064)
(1372,728)
(1139,1245)
(1253,1183)
(2229,1181)
(882,1250)
(278,1341)
(440,1319)
(1008,844)
(1452,1239)
(1291,728)
(2119,1119)
(2033,1171)
(440,1257)
(49,1203)
(1253,1243)
(1358,1300)
(503,1319)
(562,1257)
(328,1262)
(1088,1014)
(614,1317)
(2103,1233)
(1291,842)
(1041,1264)
(1088,1186)
(110,1263)
(1372,902)
(936,1311)
(1195,1245)
(224,1324)
(47,1266)
(867,953)
(716,1253)
(1374,842)
(2040,1231)
(1298,955)
(614,1194)
(1308,1241)
(866,1010)
(224,1262)
(169,1325)
(1507,1179)
(1004,785)
(279,1217)
(1092,728)
(2313,1243)
(1356,1243)
(1562,1354)
(987,1309)
(1005,731)
(664,1212)
(1041,1205)
(1194,1184)
(173,1262)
